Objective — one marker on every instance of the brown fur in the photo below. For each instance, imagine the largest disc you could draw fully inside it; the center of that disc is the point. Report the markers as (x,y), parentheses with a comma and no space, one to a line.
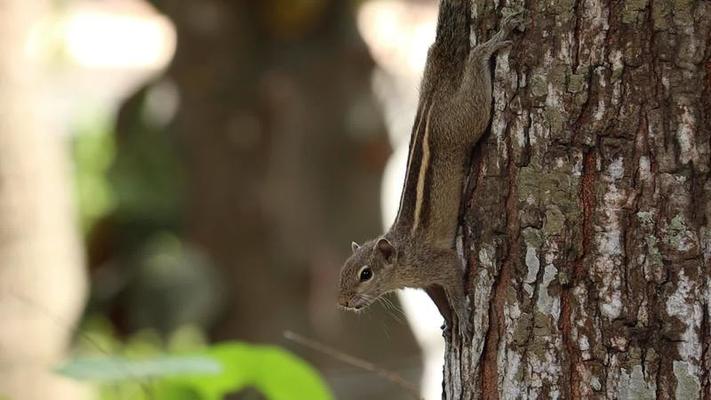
(454,111)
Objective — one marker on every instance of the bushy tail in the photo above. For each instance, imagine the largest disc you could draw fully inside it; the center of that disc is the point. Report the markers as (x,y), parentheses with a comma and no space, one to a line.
(453,27)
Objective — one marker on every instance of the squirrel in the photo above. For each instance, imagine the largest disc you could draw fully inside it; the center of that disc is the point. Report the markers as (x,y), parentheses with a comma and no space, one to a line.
(453,113)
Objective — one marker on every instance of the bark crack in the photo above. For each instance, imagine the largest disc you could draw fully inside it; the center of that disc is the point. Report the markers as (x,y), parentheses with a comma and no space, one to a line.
(489,369)
(576,37)
(704,339)
(587,202)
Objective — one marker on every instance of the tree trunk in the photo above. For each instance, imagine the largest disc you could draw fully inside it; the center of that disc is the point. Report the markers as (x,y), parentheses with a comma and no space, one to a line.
(41,273)
(587,222)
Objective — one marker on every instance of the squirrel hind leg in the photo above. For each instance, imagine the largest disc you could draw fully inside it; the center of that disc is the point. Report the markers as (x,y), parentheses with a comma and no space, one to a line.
(439,297)
(449,295)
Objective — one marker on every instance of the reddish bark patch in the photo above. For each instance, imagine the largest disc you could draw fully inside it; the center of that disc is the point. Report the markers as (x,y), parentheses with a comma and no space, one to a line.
(704,333)
(490,373)
(565,330)
(489,379)
(587,202)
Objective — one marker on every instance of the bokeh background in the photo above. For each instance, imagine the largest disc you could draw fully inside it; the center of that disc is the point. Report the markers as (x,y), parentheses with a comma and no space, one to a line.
(179,175)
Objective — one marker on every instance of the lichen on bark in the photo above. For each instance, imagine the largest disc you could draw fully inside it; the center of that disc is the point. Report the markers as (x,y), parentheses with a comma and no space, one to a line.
(587,224)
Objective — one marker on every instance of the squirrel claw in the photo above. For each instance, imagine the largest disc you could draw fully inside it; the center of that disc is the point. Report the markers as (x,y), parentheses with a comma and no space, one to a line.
(499,41)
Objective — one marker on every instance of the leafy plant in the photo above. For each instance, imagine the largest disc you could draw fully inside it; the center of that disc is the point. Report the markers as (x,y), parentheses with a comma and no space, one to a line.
(276,373)
(208,373)
(117,369)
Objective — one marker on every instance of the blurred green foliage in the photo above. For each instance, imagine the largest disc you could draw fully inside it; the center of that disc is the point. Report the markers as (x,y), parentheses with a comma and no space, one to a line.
(94,152)
(129,188)
(117,369)
(172,284)
(128,167)
(146,173)
(184,368)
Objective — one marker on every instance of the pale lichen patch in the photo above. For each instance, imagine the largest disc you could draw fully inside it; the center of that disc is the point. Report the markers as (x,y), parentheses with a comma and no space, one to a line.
(533,263)
(685,136)
(543,366)
(578,329)
(508,359)
(533,240)
(504,82)
(633,386)
(593,31)
(595,383)
(486,256)
(679,236)
(646,217)
(645,169)
(682,305)
(519,131)
(608,242)
(554,222)
(511,387)
(546,303)
(482,293)
(498,127)
(618,65)
(611,305)
(652,258)
(616,169)
(687,380)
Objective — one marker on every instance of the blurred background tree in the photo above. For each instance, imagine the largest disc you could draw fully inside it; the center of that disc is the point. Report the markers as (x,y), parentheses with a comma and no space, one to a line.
(217,191)
(236,214)
(40,255)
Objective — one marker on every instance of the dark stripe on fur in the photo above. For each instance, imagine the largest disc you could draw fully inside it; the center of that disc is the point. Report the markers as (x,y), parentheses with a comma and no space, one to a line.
(406,213)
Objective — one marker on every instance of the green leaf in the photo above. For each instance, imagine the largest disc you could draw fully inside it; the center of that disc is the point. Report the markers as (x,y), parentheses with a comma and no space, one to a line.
(276,373)
(208,374)
(114,369)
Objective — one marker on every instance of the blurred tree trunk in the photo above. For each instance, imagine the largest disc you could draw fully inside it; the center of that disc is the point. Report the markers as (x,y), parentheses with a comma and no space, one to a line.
(588,225)
(41,274)
(284,150)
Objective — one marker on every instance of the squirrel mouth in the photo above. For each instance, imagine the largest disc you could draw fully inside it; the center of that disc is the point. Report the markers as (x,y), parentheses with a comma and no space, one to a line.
(356,304)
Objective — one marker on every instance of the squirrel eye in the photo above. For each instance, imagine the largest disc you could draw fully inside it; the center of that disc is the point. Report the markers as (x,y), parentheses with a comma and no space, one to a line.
(365,274)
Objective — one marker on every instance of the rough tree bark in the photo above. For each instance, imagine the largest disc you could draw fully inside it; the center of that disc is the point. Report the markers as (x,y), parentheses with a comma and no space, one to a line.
(587,227)
(41,270)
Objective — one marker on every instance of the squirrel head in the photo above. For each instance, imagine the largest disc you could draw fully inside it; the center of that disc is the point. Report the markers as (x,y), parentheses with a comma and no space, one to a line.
(367,274)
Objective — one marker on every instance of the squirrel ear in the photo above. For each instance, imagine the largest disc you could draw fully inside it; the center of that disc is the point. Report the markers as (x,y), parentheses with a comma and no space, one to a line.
(354,246)
(386,249)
